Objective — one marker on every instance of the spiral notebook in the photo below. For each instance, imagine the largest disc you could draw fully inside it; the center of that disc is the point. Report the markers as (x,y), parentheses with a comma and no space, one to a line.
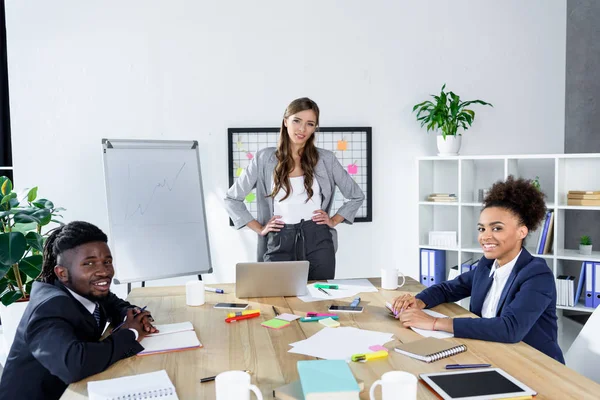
(144,386)
(430,349)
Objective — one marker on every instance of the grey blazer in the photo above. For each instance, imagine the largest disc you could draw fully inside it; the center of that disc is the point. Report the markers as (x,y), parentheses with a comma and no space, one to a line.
(328,172)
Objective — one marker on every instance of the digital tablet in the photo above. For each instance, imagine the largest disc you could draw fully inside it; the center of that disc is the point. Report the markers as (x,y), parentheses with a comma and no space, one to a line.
(477,384)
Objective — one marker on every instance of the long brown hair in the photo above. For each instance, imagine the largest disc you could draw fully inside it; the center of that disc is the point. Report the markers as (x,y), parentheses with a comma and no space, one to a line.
(309,155)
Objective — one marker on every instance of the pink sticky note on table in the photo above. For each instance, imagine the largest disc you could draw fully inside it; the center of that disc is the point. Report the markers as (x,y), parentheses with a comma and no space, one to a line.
(378,347)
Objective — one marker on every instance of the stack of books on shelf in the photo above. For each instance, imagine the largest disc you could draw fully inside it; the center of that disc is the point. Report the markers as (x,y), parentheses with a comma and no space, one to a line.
(583,198)
(565,290)
(442,197)
(544,244)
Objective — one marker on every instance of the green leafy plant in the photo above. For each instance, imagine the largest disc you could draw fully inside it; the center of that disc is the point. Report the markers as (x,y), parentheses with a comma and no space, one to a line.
(536,183)
(21,239)
(448,113)
(585,240)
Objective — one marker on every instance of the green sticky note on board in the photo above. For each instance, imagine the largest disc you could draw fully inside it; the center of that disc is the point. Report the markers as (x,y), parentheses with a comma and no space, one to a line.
(275,323)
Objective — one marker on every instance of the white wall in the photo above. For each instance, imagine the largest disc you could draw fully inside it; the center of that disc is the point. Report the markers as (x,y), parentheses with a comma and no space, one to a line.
(80,71)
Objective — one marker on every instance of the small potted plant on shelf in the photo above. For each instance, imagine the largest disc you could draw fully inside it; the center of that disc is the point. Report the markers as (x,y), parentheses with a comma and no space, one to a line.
(447,115)
(21,246)
(585,245)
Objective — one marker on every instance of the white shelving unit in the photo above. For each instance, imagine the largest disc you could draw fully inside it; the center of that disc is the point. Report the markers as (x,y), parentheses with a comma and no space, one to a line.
(465,175)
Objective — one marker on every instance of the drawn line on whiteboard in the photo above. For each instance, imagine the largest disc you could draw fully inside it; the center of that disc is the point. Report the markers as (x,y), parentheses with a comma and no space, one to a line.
(162,184)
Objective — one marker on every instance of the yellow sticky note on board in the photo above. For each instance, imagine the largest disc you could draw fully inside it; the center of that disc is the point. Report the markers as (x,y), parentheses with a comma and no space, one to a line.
(330,323)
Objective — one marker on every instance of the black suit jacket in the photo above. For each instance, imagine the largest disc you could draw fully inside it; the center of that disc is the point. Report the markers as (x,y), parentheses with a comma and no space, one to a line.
(57,343)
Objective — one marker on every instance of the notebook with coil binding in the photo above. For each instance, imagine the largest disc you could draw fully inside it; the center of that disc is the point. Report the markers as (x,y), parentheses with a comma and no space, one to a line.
(430,349)
(153,385)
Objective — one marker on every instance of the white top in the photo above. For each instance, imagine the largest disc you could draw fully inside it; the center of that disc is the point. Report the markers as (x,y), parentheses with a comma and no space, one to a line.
(295,208)
(91,306)
(501,274)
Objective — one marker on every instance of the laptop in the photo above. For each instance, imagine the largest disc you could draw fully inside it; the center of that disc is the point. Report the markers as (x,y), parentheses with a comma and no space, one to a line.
(271,279)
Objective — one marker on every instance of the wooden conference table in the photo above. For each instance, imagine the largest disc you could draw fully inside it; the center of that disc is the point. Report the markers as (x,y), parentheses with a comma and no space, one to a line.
(246,345)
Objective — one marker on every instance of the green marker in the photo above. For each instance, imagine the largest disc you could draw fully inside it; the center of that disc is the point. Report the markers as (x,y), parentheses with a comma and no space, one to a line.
(325,286)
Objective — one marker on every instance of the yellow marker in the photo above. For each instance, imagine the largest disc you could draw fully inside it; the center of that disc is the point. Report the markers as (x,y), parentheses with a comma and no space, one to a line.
(370,356)
(240,313)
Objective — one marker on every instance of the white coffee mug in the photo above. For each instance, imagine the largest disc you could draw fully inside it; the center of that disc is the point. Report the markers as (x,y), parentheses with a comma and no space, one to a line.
(235,385)
(389,278)
(396,385)
(194,293)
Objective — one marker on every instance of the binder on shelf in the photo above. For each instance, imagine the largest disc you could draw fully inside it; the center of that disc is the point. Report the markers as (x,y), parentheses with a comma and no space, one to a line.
(540,249)
(596,301)
(465,266)
(549,235)
(437,266)
(425,267)
(475,264)
(454,272)
(589,284)
(580,284)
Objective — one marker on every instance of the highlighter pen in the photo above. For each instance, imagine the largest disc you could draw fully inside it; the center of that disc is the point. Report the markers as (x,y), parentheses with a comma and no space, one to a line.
(324,291)
(215,290)
(240,313)
(242,317)
(370,356)
(316,314)
(324,286)
(312,319)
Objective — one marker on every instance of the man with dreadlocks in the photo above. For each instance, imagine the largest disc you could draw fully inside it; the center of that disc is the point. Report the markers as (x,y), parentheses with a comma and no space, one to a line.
(58,339)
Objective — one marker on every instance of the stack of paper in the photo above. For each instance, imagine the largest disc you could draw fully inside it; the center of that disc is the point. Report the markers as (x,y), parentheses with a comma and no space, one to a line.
(346,288)
(340,343)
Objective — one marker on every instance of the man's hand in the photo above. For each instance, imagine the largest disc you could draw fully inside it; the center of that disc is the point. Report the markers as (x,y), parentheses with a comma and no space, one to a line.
(134,320)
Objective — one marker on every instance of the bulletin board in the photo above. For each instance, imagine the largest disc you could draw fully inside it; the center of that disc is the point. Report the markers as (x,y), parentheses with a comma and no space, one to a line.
(351,146)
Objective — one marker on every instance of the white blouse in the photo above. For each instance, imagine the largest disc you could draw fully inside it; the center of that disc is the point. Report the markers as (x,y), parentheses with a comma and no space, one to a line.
(501,274)
(295,208)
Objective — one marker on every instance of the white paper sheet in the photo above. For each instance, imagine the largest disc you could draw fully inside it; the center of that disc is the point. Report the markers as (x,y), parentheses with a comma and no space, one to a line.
(363,285)
(340,343)
(314,294)
(430,333)
(287,317)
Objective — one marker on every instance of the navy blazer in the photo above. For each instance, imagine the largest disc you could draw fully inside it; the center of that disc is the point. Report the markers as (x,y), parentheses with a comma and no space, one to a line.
(526,310)
(57,343)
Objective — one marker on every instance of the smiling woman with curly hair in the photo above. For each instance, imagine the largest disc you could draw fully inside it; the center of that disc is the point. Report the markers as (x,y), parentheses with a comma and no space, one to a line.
(512,291)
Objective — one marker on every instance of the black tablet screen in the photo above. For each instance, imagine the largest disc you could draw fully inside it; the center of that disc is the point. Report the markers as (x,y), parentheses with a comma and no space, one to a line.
(475,384)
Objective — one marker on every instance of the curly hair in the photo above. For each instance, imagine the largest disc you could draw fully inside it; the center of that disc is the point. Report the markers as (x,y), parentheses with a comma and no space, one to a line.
(521,198)
(64,238)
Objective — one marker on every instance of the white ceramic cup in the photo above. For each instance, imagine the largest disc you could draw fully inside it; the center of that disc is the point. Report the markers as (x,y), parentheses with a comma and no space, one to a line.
(235,385)
(389,278)
(194,293)
(396,385)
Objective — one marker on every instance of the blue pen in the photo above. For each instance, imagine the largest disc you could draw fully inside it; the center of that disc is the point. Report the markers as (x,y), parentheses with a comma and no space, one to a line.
(215,290)
(123,323)
(355,302)
(459,366)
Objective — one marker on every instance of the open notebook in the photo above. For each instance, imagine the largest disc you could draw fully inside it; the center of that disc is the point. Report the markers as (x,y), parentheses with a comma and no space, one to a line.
(430,349)
(144,386)
(171,337)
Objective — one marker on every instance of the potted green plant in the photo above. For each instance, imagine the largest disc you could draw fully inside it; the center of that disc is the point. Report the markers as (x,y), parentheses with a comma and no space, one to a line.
(21,246)
(585,245)
(447,115)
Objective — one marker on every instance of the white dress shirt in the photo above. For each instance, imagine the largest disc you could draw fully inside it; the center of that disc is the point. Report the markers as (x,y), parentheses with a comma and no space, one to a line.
(91,306)
(295,208)
(500,276)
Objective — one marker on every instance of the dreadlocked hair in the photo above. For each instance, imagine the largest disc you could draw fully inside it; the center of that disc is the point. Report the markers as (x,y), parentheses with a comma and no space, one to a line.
(64,238)
(521,198)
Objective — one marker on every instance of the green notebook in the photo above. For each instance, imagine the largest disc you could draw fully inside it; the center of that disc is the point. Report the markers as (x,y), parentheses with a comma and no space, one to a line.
(327,380)
(275,323)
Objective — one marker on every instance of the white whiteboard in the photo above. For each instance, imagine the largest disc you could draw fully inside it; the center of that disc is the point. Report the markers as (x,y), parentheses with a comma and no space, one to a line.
(156,211)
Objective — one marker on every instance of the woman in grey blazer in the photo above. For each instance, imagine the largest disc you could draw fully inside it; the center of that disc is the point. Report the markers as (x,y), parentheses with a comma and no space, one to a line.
(295,184)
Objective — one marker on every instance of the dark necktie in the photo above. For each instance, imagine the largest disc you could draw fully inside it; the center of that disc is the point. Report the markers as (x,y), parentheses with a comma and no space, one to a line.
(97,314)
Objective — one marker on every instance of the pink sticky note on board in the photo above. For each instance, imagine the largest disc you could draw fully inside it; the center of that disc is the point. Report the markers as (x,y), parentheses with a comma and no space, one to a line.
(378,347)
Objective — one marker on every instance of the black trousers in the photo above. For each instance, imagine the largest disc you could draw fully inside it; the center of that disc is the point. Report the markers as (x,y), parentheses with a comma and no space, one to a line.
(304,241)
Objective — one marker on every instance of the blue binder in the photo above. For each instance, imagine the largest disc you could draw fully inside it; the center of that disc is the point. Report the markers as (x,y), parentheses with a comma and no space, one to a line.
(425,267)
(596,285)
(437,266)
(589,284)
(580,284)
(540,250)
(475,264)
(465,266)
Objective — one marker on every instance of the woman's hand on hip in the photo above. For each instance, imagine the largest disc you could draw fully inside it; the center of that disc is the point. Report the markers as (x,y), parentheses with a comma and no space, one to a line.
(274,225)
(320,217)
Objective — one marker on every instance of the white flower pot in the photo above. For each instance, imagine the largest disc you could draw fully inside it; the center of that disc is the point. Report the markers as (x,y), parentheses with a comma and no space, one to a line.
(450,146)
(11,316)
(585,249)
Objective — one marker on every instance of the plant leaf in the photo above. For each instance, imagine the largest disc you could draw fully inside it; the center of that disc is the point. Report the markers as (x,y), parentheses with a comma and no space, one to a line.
(12,247)
(7,198)
(24,228)
(11,297)
(5,186)
(3,285)
(44,216)
(32,194)
(35,240)
(24,219)
(4,270)
(31,266)
(43,203)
